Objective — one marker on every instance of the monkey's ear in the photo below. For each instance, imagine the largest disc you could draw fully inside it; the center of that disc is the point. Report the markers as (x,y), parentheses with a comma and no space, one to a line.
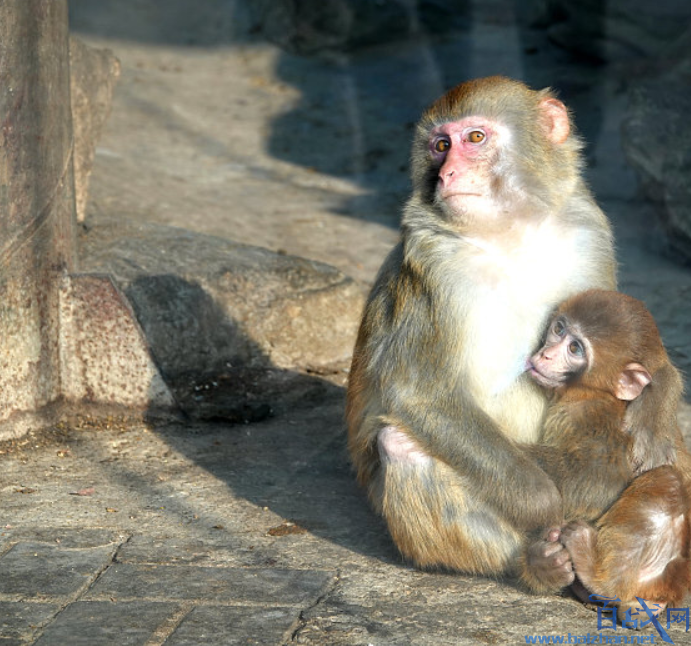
(632,380)
(555,120)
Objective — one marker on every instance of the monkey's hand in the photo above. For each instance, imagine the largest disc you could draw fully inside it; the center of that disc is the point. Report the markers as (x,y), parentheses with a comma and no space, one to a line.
(546,564)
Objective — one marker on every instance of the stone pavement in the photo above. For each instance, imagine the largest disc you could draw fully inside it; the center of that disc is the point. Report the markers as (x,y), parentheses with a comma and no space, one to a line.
(201,534)
(131,535)
(197,535)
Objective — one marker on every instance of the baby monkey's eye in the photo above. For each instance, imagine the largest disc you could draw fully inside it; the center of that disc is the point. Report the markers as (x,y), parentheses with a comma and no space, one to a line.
(476,136)
(576,349)
(558,328)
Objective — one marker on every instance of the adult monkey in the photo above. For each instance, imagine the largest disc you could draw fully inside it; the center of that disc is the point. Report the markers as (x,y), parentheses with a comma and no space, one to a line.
(500,228)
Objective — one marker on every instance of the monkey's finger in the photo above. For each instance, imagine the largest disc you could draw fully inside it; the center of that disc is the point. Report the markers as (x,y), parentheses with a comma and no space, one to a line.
(549,548)
(562,559)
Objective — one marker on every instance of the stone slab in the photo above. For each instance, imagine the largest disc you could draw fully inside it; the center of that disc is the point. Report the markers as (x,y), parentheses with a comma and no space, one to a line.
(20,620)
(228,626)
(219,585)
(37,569)
(93,623)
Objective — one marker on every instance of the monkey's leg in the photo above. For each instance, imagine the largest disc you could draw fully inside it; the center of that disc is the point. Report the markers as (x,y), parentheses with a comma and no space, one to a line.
(580,540)
(432,516)
(650,525)
(641,546)
(592,567)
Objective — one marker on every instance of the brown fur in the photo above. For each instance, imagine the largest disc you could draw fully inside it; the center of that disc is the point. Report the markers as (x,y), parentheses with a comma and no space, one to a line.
(609,557)
(594,453)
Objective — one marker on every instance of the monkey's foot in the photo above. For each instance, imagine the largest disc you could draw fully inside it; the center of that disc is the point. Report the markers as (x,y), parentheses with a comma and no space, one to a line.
(579,539)
(547,564)
(582,593)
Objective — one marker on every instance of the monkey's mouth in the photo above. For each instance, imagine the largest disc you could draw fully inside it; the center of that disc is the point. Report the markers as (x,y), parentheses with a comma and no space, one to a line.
(533,371)
(448,194)
(546,381)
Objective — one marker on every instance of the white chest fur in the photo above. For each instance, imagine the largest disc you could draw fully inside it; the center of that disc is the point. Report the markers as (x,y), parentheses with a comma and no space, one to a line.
(504,296)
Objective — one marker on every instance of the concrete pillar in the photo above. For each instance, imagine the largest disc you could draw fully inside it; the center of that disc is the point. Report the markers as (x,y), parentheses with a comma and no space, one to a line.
(66,340)
(36,203)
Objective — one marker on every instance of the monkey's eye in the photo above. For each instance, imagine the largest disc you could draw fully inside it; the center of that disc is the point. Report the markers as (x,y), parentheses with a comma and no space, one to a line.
(576,349)
(476,136)
(441,145)
(558,328)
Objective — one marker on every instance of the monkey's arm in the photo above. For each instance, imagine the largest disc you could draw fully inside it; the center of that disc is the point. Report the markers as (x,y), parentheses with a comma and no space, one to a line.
(545,565)
(586,453)
(549,458)
(409,362)
(504,476)
(651,420)
(590,473)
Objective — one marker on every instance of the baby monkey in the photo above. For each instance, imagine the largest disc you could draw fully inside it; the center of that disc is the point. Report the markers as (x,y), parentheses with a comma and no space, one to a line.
(612,444)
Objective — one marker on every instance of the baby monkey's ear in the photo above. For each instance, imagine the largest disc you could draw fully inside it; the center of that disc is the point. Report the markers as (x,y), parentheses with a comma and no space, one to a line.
(632,380)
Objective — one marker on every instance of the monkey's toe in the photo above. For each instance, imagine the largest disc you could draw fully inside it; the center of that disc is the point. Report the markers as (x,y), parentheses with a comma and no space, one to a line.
(552,534)
(576,533)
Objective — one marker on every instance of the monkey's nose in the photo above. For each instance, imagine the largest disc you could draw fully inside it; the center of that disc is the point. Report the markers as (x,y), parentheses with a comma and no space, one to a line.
(445,176)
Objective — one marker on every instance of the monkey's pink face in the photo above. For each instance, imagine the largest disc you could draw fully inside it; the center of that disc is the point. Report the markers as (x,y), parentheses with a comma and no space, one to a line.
(465,152)
(563,356)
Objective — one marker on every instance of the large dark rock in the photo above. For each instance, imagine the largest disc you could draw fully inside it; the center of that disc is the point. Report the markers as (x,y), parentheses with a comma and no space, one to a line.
(613,30)
(235,330)
(309,26)
(657,141)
